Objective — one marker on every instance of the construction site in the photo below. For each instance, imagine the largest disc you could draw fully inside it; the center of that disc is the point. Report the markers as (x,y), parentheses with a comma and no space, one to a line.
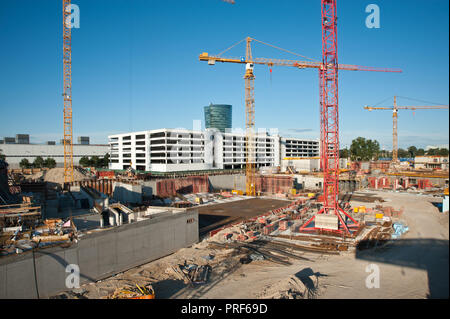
(205,214)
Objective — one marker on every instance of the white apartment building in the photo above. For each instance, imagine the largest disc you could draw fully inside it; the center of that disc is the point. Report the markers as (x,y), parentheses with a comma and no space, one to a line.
(299,148)
(170,150)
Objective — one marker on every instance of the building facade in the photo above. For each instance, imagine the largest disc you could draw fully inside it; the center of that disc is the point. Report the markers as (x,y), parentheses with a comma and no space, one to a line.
(170,150)
(432,161)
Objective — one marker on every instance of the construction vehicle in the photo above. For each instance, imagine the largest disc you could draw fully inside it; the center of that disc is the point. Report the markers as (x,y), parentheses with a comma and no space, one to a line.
(395,108)
(137,292)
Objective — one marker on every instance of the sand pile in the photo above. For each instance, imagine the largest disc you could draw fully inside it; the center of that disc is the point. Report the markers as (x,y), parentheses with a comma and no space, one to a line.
(56,175)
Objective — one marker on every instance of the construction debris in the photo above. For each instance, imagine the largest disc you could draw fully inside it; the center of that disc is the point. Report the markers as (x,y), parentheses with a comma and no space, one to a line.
(191,274)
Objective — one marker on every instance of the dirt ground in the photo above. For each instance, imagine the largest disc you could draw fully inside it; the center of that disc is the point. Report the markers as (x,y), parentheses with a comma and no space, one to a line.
(414,266)
(215,216)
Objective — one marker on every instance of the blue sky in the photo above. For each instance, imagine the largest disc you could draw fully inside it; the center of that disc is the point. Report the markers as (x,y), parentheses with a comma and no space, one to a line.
(135,66)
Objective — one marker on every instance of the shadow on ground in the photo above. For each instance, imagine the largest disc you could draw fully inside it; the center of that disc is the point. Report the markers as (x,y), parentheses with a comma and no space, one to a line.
(306,276)
(167,288)
(427,254)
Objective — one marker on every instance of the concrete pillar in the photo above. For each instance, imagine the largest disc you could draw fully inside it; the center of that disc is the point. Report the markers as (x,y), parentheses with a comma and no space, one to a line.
(116,216)
(111,220)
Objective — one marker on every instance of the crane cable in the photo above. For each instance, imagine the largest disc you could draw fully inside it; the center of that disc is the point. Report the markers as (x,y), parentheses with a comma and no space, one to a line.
(417,100)
(270,45)
(390,97)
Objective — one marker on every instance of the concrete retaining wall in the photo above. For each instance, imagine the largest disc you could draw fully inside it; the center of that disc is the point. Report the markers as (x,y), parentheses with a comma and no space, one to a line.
(127,193)
(229,182)
(98,255)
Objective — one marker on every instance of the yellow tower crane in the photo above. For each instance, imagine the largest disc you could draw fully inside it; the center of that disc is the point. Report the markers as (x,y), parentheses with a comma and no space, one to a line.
(249,77)
(67,94)
(395,108)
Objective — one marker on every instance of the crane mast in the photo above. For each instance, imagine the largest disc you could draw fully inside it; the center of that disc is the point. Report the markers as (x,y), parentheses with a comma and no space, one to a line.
(330,107)
(394,132)
(250,166)
(329,121)
(67,94)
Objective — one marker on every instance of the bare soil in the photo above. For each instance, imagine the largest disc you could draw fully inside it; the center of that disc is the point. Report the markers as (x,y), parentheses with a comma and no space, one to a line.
(414,266)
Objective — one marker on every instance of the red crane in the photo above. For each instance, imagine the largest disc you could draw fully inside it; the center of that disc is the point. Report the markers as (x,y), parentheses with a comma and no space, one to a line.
(329,121)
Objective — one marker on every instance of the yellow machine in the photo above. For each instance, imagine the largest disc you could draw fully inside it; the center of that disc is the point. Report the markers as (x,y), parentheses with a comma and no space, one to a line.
(140,292)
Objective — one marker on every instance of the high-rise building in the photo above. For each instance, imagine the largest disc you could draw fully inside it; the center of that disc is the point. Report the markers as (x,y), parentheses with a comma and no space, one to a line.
(83,140)
(22,139)
(218,116)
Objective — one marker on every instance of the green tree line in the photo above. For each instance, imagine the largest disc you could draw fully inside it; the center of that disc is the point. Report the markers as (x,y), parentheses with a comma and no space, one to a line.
(39,162)
(366,149)
(95,161)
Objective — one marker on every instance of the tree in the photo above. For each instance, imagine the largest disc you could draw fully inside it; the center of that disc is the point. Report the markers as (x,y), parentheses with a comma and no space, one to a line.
(432,151)
(443,152)
(38,162)
(412,150)
(420,152)
(2,156)
(95,161)
(402,153)
(345,153)
(84,161)
(24,163)
(364,150)
(106,160)
(50,163)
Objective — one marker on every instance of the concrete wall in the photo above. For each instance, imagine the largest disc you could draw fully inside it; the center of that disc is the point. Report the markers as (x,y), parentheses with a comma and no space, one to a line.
(304,164)
(98,255)
(233,181)
(309,182)
(149,188)
(127,193)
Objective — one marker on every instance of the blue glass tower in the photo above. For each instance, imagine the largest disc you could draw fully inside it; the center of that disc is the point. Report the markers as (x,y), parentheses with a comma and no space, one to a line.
(218,116)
